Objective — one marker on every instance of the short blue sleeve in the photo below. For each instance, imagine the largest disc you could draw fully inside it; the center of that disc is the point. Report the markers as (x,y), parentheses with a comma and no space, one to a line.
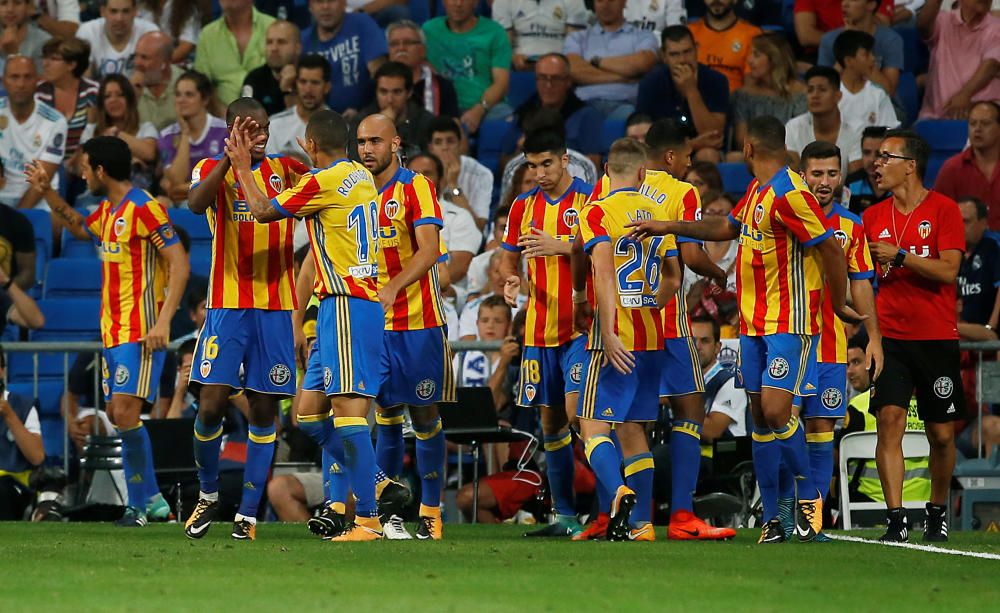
(826,57)
(889,48)
(373,39)
(715,91)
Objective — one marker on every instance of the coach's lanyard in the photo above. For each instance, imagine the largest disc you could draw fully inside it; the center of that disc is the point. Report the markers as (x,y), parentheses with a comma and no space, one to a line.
(896,235)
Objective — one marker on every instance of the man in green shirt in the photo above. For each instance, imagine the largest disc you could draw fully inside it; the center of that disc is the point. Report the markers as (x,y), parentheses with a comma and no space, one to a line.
(154,78)
(475,53)
(231,46)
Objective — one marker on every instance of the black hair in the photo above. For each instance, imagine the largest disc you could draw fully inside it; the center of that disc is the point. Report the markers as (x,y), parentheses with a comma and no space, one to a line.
(981,209)
(543,118)
(675,34)
(438,166)
(545,140)
(187,346)
(396,69)
(666,134)
(874,132)
(913,147)
(243,107)
(314,61)
(184,238)
(767,133)
(825,72)
(328,130)
(636,118)
(201,83)
(112,154)
(849,42)
(858,341)
(444,124)
(716,328)
(820,150)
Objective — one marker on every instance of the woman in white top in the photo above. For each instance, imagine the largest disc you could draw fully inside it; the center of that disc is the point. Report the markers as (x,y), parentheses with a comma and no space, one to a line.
(181,19)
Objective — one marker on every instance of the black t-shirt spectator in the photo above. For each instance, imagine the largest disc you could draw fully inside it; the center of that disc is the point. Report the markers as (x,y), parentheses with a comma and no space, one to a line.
(978,279)
(660,99)
(17,236)
(261,85)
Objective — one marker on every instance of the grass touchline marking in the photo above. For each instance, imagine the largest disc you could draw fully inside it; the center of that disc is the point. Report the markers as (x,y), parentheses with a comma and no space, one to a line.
(954,552)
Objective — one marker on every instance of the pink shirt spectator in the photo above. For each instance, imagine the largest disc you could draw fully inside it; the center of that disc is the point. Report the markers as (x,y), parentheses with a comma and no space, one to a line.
(957,51)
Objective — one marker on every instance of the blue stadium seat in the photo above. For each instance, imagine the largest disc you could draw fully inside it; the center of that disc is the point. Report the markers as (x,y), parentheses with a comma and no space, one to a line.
(908,96)
(522,87)
(69,319)
(420,10)
(945,136)
(73,278)
(48,397)
(915,52)
(21,366)
(735,177)
(195,225)
(933,168)
(612,130)
(72,247)
(53,438)
(41,222)
(490,140)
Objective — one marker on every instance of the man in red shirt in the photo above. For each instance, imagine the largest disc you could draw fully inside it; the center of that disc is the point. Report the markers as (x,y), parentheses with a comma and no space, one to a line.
(814,18)
(976,171)
(917,238)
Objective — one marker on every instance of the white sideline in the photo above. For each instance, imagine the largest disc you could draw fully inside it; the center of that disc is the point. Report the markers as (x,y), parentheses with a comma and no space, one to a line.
(932,549)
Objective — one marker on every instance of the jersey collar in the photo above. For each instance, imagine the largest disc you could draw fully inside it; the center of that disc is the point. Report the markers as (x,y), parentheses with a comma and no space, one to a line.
(560,198)
(624,189)
(392,181)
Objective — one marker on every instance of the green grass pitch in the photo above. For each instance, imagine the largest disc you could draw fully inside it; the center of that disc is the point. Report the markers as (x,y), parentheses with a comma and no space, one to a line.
(96,567)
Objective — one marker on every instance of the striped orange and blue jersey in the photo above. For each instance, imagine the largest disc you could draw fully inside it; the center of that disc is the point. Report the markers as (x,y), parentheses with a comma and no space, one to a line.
(850,233)
(339,205)
(549,310)
(407,202)
(130,235)
(779,281)
(638,266)
(252,263)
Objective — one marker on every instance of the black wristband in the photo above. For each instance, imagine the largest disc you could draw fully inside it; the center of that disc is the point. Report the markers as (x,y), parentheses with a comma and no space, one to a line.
(898,260)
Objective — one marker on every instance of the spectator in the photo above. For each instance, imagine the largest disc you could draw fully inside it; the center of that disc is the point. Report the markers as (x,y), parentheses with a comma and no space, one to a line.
(198,134)
(861,183)
(113,37)
(824,121)
(460,234)
(473,52)
(465,182)
(180,20)
(705,177)
(16,306)
(66,89)
(965,57)
(637,125)
(394,99)
(384,12)
(608,58)
(155,79)
(655,15)
(555,91)
(814,18)
(61,19)
(273,84)
(887,44)
(725,404)
(689,92)
(17,247)
(724,41)
(312,85)
(721,253)
(408,45)
(771,87)
(757,12)
(21,450)
(118,115)
(979,275)
(490,321)
(976,171)
(354,46)
(232,46)
(19,34)
(535,30)
(467,326)
(861,99)
(479,269)
(30,131)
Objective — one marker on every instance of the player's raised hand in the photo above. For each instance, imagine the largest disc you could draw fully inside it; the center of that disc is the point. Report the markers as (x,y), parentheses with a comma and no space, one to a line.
(615,353)
(37,178)
(238,146)
(511,290)
(642,230)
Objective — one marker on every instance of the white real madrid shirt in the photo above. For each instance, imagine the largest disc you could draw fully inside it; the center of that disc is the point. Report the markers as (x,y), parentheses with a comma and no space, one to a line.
(104,58)
(655,15)
(41,137)
(540,25)
(871,106)
(285,127)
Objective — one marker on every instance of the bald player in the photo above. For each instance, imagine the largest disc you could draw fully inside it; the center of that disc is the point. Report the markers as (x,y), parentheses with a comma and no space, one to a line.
(416,360)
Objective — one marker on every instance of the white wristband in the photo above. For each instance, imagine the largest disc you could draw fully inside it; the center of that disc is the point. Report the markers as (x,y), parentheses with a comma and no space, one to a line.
(579,296)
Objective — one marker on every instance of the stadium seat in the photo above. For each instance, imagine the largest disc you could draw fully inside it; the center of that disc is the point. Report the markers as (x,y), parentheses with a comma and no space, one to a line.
(195,225)
(933,168)
(490,140)
(21,366)
(945,136)
(522,87)
(612,130)
(420,10)
(69,319)
(861,446)
(915,52)
(201,259)
(49,397)
(735,177)
(72,247)
(41,223)
(909,97)
(73,278)
(53,438)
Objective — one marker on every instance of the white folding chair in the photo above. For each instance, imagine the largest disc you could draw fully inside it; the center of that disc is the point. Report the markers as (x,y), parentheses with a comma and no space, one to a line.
(861,446)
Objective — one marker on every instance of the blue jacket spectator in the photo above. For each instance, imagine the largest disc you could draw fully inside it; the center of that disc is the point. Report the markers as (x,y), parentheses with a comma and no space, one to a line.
(860,15)
(21,450)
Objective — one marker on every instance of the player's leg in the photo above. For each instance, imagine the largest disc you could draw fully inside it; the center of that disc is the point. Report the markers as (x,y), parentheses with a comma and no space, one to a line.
(260,452)
(330,519)
(389,411)
(351,423)
(431,455)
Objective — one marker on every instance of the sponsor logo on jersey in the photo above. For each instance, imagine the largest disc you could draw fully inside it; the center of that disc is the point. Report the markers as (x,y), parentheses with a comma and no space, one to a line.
(576,372)
(276,183)
(120,224)
(571,217)
(943,387)
(778,369)
(425,389)
(924,229)
(279,374)
(758,213)
(121,375)
(391,208)
(841,236)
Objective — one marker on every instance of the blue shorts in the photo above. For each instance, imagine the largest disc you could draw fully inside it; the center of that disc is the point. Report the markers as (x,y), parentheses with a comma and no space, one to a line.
(611,396)
(415,368)
(257,340)
(782,361)
(549,373)
(831,401)
(345,357)
(682,369)
(132,370)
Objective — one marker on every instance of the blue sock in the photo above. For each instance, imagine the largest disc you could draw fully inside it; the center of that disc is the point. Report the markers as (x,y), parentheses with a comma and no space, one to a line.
(260,451)
(359,457)
(320,429)
(639,478)
(135,446)
(792,440)
(685,461)
(766,461)
(606,462)
(336,483)
(820,445)
(389,445)
(560,468)
(149,477)
(786,482)
(430,462)
(207,445)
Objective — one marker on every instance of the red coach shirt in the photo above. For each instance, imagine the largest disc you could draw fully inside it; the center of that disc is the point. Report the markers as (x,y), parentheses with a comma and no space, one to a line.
(912,307)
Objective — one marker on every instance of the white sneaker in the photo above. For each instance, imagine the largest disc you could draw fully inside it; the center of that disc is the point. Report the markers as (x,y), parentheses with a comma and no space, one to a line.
(395,530)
